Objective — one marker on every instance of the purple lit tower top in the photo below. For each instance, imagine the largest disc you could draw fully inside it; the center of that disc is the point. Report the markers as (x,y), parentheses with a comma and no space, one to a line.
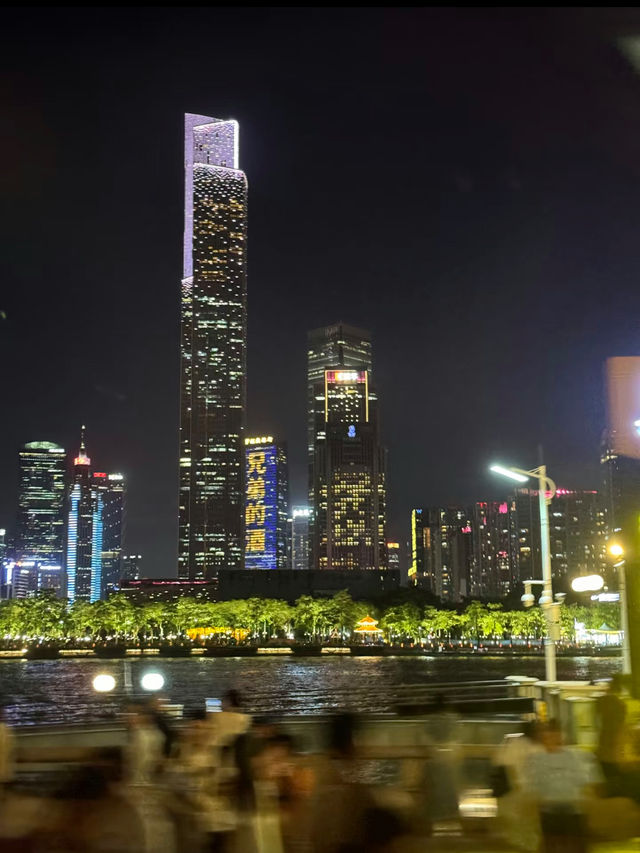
(212,351)
(206,140)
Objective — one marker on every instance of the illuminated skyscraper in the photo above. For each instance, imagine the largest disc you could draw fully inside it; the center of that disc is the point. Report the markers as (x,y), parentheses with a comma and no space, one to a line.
(212,351)
(109,496)
(335,346)
(393,556)
(300,537)
(40,534)
(80,564)
(494,572)
(442,551)
(349,474)
(267,503)
(577,532)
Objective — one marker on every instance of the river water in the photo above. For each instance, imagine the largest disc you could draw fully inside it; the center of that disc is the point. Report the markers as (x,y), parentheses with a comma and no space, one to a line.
(48,692)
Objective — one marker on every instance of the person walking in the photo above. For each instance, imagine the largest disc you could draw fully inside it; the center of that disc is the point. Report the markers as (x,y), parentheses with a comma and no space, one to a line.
(561,780)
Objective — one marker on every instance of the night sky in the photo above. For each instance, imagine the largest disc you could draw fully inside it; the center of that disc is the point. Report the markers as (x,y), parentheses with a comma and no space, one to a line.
(464,183)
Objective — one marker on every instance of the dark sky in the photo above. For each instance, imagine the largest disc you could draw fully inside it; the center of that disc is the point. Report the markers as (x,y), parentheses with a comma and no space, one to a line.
(465,183)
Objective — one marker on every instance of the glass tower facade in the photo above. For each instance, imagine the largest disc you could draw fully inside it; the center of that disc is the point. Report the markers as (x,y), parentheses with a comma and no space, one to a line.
(349,474)
(300,518)
(212,351)
(110,512)
(41,496)
(80,535)
(267,504)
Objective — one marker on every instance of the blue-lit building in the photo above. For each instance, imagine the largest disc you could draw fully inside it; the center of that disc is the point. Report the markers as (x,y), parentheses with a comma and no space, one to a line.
(109,528)
(80,538)
(266,504)
(94,530)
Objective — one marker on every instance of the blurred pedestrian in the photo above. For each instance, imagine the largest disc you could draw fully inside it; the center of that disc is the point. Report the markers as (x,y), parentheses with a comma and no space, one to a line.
(340,799)
(517,815)
(157,709)
(442,768)
(561,780)
(145,746)
(7,754)
(283,784)
(611,711)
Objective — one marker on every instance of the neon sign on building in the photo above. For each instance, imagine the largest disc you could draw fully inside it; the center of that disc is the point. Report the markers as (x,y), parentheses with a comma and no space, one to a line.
(261,508)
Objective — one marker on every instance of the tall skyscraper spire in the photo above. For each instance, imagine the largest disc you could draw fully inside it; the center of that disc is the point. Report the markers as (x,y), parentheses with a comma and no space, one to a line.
(212,351)
(80,529)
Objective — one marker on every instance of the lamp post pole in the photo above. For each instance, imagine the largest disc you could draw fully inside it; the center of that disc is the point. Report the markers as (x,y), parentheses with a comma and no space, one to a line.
(546,600)
(550,608)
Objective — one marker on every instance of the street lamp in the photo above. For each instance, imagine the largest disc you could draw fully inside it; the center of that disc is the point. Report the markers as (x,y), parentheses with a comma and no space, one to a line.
(616,550)
(546,491)
(104,683)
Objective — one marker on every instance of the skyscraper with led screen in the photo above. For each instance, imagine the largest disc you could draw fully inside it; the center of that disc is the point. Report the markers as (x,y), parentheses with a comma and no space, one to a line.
(349,474)
(267,504)
(212,351)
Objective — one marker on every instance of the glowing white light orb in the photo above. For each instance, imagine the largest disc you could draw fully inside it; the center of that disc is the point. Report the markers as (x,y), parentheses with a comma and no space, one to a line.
(587,583)
(104,683)
(616,550)
(152,681)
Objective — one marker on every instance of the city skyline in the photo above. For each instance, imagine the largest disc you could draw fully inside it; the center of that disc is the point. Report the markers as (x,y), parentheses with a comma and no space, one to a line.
(451,271)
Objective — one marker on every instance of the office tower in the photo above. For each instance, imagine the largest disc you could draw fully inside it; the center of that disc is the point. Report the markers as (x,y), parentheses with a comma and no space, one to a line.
(300,537)
(212,351)
(267,503)
(335,346)
(131,567)
(40,527)
(349,474)
(419,574)
(3,545)
(51,578)
(109,496)
(577,532)
(493,574)
(80,562)
(393,556)
(22,578)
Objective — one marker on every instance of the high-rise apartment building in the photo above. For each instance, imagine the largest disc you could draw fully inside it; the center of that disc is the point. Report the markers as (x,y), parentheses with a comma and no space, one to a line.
(577,532)
(349,474)
(109,496)
(300,518)
(82,582)
(442,551)
(493,574)
(212,351)
(41,494)
(267,503)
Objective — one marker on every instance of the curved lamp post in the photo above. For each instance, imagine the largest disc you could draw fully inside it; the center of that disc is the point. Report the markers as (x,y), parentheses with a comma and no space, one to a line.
(550,608)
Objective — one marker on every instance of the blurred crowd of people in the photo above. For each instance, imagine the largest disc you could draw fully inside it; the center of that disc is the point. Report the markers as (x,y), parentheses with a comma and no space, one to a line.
(224,782)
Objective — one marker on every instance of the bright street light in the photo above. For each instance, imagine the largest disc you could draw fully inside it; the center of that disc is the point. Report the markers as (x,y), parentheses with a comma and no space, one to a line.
(511,473)
(546,491)
(104,683)
(587,583)
(617,552)
(152,681)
